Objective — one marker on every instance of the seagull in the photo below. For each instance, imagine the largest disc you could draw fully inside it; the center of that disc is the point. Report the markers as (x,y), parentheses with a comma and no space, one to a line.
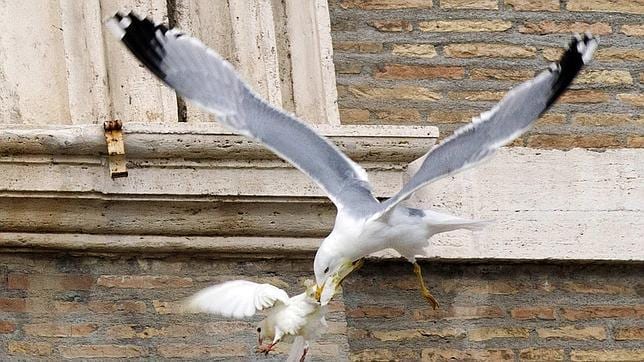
(300,318)
(363,225)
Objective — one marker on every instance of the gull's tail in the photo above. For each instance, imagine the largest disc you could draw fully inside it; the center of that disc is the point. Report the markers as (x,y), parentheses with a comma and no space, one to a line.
(439,222)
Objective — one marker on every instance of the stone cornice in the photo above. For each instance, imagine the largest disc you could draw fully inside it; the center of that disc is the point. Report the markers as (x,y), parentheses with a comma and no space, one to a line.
(191,187)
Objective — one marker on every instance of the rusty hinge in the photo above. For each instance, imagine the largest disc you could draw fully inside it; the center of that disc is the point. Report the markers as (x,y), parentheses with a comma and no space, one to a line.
(115,148)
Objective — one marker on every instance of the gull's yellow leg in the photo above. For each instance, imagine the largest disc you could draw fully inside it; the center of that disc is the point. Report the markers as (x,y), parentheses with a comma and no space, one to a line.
(423,288)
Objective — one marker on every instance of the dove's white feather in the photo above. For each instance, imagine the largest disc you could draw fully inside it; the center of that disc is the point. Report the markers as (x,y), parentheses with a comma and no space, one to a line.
(237,299)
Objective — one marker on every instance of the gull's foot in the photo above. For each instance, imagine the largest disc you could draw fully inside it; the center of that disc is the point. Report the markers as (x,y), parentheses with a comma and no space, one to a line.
(423,288)
(430,298)
(265,348)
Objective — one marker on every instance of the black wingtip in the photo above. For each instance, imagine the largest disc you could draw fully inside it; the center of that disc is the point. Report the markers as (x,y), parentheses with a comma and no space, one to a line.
(140,37)
(579,53)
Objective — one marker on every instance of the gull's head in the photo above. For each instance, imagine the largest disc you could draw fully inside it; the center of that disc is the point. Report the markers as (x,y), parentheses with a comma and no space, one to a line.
(330,270)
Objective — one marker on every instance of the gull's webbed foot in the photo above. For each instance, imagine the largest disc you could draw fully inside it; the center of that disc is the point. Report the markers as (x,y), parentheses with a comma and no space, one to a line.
(423,288)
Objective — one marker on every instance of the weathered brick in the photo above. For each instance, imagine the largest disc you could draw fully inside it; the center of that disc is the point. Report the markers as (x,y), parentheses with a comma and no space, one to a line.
(374,311)
(523,313)
(458,312)
(533,5)
(469,4)
(633,29)
(49,282)
(385,4)
(573,332)
(635,141)
(487,333)
(602,119)
(621,355)
(633,99)
(541,354)
(29,348)
(464,25)
(143,281)
(608,6)
(355,333)
(552,118)
(488,96)
(398,116)
(348,67)
(584,96)
(619,54)
(434,354)
(168,307)
(60,329)
(400,93)
(414,50)
(357,47)
(469,286)
(604,311)
(383,354)
(605,77)
(128,331)
(403,71)
(489,50)
(13,305)
(354,116)
(451,116)
(7,327)
(552,141)
(102,351)
(552,54)
(188,350)
(629,333)
(125,306)
(395,26)
(552,27)
(406,334)
(501,74)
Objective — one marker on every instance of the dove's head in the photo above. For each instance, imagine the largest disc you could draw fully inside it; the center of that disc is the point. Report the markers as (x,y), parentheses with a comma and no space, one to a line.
(265,331)
(330,270)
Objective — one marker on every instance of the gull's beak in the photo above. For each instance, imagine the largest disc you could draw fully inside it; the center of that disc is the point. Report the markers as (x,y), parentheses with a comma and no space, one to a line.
(318,292)
(326,292)
(347,269)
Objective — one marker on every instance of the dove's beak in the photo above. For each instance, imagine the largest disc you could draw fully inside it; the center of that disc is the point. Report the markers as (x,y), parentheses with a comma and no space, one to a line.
(318,292)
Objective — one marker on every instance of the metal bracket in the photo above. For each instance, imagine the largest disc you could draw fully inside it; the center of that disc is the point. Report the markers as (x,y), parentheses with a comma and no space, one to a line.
(115,148)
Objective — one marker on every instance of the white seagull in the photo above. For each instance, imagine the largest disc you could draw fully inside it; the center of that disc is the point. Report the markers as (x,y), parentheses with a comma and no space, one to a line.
(363,225)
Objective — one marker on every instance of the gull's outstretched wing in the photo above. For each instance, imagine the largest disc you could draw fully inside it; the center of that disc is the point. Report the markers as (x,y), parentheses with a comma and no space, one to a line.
(236,299)
(200,75)
(511,117)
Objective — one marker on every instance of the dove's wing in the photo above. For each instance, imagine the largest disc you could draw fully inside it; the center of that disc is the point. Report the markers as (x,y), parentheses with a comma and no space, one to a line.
(236,299)
(200,75)
(511,117)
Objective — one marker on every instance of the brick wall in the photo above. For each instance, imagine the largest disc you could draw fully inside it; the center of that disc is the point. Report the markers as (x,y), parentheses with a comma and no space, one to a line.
(497,312)
(441,62)
(63,307)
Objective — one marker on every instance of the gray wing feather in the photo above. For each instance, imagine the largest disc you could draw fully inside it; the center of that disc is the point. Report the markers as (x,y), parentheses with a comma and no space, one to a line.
(511,117)
(202,76)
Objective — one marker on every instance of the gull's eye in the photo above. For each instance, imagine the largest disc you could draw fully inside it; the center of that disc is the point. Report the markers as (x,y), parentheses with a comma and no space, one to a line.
(326,270)
(259,330)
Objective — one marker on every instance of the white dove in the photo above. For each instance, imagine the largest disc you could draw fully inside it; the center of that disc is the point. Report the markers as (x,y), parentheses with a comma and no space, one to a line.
(363,224)
(299,318)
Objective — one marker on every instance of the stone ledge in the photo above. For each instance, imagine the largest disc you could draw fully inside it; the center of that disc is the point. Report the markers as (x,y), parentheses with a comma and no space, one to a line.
(209,141)
(184,179)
